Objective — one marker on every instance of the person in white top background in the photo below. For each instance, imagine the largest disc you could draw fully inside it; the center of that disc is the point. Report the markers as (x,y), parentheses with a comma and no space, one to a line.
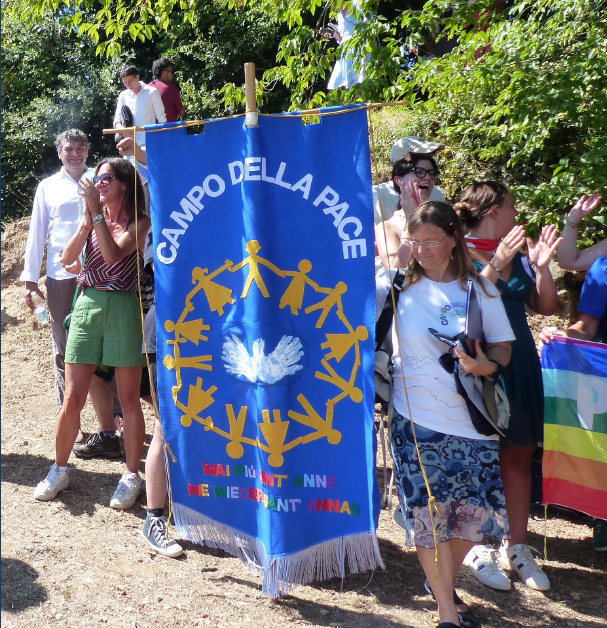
(56,216)
(143,100)
(344,72)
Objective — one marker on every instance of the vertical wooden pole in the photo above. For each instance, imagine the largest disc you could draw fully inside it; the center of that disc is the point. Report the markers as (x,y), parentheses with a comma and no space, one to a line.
(251,113)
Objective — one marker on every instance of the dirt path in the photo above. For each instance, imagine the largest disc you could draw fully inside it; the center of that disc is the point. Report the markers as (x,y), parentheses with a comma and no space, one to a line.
(76,563)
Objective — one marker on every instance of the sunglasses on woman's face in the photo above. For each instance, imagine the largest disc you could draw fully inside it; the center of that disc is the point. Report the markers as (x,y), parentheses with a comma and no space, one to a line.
(104,179)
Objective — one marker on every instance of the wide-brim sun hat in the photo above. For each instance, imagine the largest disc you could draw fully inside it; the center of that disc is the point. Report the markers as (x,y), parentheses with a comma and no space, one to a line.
(413,144)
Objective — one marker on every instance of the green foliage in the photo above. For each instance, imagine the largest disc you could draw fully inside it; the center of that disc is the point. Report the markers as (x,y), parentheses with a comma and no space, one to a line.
(532,108)
(211,49)
(54,78)
(48,85)
(522,97)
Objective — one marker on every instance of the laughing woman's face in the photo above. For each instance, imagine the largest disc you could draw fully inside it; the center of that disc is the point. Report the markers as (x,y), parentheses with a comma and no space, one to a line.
(413,184)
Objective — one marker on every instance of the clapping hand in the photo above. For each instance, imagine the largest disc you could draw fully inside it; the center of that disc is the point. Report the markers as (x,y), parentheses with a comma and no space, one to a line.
(89,191)
(509,246)
(542,252)
(411,196)
(583,207)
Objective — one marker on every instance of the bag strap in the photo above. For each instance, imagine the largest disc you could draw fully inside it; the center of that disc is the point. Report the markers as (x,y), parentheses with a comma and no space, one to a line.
(79,288)
(384,322)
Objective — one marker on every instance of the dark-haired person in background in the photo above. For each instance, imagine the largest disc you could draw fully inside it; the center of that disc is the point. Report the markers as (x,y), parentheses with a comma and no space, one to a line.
(413,176)
(162,73)
(385,195)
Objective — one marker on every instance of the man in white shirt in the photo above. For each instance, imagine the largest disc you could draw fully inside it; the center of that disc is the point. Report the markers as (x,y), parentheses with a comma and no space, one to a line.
(385,196)
(145,103)
(56,216)
(143,100)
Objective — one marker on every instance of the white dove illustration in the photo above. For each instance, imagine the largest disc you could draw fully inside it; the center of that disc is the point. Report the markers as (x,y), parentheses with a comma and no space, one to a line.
(258,367)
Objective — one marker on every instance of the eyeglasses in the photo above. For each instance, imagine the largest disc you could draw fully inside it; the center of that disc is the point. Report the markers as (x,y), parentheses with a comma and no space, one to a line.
(105,179)
(422,172)
(429,244)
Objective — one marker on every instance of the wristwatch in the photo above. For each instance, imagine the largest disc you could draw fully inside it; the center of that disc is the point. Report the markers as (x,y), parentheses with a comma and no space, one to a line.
(97,219)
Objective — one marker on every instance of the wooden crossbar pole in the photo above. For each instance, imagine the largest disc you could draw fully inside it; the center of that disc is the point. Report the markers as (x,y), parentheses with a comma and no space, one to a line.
(251,115)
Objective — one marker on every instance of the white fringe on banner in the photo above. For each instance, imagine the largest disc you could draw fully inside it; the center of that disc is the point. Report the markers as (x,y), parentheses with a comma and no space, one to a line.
(280,573)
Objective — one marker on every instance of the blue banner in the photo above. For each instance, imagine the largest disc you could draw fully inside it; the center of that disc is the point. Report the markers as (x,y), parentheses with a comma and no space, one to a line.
(264,270)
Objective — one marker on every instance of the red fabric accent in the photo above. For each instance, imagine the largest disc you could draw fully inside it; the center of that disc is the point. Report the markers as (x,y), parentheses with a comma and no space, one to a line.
(572,495)
(171,99)
(482,244)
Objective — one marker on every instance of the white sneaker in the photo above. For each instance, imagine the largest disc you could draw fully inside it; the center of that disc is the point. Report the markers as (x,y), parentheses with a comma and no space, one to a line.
(54,482)
(483,562)
(519,558)
(127,491)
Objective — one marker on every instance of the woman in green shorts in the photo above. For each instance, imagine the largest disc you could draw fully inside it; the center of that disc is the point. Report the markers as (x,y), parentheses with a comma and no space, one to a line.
(106,323)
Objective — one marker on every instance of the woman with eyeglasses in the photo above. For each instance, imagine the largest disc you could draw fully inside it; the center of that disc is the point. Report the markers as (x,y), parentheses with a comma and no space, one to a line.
(488,212)
(105,327)
(461,465)
(413,177)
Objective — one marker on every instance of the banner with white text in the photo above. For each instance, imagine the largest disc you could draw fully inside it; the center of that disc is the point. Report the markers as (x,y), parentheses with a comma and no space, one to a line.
(265,301)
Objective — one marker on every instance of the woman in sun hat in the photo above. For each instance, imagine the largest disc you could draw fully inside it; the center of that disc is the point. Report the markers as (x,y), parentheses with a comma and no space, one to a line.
(385,197)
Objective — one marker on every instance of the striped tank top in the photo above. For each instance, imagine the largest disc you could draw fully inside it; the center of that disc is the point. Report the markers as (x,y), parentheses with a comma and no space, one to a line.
(120,276)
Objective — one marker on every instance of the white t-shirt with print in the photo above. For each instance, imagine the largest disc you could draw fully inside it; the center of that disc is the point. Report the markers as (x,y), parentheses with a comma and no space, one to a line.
(434,401)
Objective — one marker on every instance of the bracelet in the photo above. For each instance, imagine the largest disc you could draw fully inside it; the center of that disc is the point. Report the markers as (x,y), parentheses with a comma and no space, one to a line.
(85,228)
(97,219)
(495,268)
(573,225)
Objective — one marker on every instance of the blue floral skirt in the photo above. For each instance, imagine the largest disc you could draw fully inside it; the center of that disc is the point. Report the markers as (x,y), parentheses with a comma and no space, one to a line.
(465,480)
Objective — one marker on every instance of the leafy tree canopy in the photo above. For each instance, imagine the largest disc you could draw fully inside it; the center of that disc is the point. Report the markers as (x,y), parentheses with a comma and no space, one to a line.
(521,96)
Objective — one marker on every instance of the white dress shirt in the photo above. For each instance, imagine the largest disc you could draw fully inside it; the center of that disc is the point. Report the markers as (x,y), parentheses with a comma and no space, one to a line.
(56,218)
(145,105)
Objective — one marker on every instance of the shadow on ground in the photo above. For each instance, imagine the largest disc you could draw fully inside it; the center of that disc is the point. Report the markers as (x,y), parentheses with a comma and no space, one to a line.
(19,588)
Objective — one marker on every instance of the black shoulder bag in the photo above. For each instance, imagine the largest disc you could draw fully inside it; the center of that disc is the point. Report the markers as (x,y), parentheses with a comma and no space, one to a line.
(383,342)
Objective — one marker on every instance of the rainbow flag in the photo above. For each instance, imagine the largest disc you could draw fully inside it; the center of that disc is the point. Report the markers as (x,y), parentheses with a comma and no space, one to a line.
(575,425)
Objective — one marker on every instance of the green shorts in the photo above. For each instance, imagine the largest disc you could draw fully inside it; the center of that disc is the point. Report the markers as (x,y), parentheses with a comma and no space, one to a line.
(105,329)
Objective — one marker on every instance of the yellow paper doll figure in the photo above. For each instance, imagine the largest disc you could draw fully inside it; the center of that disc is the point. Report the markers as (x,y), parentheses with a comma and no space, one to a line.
(294,294)
(198,400)
(323,427)
(217,295)
(347,386)
(340,344)
(333,298)
(253,261)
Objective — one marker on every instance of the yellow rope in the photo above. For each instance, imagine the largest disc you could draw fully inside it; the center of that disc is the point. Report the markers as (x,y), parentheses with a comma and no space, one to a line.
(431,499)
(546,532)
